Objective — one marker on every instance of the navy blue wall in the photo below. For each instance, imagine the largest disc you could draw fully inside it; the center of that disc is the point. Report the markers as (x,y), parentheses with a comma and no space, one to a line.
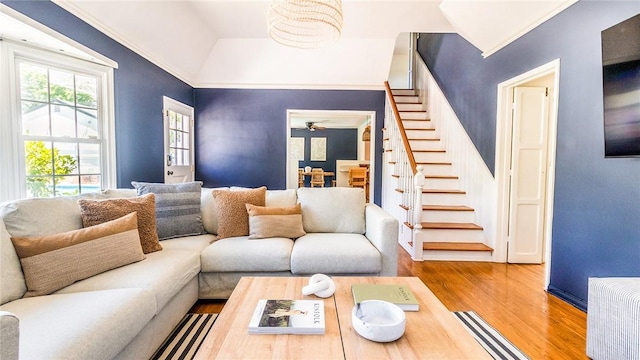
(342,144)
(139,87)
(596,215)
(241,134)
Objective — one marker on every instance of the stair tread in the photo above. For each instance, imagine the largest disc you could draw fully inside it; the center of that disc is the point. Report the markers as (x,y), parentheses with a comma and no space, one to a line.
(446,226)
(440,177)
(442,191)
(433,163)
(454,246)
(447,208)
(451,226)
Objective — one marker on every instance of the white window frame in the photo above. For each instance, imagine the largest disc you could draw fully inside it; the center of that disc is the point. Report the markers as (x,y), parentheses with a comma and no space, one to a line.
(12,176)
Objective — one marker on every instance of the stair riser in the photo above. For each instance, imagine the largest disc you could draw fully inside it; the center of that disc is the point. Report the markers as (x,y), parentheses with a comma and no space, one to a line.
(444,199)
(410,107)
(442,170)
(406,99)
(425,145)
(421,134)
(448,216)
(430,156)
(403,92)
(457,255)
(453,235)
(417,124)
(432,183)
(414,115)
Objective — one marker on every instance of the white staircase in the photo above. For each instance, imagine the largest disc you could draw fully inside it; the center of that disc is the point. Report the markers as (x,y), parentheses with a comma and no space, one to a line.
(445,226)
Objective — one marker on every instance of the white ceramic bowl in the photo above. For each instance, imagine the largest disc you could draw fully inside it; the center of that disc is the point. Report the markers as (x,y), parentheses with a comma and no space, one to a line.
(378,320)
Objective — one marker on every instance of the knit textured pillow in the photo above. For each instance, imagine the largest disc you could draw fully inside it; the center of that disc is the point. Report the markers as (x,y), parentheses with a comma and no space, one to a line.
(51,262)
(177,207)
(233,219)
(267,222)
(96,212)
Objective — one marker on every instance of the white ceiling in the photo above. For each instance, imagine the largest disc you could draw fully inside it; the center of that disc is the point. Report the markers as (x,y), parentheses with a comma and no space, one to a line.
(224,43)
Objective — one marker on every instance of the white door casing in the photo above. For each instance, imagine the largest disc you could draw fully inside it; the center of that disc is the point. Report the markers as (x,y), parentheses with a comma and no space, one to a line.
(178,142)
(528,175)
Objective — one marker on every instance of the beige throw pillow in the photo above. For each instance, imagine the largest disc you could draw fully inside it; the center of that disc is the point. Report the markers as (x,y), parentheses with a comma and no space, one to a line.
(266,222)
(51,262)
(96,212)
(233,219)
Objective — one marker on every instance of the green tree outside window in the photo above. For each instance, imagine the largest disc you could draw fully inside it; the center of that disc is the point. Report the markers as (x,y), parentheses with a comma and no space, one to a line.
(44,166)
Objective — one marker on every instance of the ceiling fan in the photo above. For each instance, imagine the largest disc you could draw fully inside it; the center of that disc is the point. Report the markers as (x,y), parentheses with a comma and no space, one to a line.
(313,126)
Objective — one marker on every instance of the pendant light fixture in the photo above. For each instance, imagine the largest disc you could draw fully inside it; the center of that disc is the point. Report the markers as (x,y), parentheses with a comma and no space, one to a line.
(305,24)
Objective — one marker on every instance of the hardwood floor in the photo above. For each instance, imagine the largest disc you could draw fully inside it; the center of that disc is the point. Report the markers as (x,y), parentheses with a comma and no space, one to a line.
(509,297)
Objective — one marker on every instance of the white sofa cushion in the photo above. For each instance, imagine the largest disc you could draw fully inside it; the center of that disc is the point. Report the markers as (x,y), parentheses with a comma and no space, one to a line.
(209,210)
(195,243)
(163,273)
(335,254)
(12,283)
(243,254)
(43,216)
(90,325)
(332,210)
(281,198)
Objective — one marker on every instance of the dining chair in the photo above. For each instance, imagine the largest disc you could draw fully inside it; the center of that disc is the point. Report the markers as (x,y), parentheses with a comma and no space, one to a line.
(300,177)
(317,177)
(358,177)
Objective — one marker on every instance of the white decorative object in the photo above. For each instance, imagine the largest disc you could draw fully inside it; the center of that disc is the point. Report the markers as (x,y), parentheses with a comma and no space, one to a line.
(320,285)
(378,320)
(318,149)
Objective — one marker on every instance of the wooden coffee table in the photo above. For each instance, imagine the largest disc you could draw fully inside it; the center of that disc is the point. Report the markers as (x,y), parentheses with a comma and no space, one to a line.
(431,333)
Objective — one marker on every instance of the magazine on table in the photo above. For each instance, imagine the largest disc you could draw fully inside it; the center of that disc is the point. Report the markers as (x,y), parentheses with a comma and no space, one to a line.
(288,317)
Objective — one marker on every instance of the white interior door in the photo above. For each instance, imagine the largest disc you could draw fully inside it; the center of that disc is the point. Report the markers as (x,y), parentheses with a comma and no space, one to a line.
(528,175)
(178,142)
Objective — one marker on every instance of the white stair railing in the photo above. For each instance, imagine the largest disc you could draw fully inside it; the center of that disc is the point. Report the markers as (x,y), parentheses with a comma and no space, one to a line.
(410,178)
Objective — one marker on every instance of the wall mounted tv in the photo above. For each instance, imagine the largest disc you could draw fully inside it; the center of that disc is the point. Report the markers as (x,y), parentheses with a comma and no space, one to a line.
(621,88)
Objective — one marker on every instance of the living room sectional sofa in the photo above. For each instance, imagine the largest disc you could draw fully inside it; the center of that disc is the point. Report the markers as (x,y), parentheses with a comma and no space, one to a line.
(126,312)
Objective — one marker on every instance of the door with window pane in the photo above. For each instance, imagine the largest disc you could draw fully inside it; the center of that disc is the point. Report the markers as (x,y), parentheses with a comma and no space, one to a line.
(60,130)
(178,129)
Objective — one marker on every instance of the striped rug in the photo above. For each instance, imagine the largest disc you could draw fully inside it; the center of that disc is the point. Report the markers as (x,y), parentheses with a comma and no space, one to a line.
(490,339)
(186,338)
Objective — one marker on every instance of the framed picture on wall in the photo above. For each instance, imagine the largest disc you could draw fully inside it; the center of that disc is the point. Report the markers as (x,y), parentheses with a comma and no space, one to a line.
(318,149)
(297,148)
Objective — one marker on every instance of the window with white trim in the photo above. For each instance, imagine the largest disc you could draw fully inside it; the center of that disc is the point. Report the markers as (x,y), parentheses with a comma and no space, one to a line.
(62,123)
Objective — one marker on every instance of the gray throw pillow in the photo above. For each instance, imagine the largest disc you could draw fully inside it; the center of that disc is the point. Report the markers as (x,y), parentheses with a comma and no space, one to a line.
(177,207)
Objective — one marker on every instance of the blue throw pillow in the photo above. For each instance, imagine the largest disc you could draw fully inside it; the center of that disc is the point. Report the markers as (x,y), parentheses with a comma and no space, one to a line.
(177,207)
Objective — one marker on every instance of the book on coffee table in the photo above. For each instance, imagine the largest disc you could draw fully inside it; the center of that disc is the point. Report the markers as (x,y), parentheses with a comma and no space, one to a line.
(398,294)
(288,317)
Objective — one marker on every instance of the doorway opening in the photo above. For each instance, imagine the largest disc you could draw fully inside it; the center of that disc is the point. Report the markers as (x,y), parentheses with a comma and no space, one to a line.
(332,119)
(546,76)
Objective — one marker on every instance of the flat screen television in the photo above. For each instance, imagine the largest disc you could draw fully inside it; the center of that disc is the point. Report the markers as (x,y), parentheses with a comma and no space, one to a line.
(621,88)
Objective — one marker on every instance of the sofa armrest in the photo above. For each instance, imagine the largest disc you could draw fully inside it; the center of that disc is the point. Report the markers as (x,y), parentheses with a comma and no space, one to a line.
(382,231)
(9,336)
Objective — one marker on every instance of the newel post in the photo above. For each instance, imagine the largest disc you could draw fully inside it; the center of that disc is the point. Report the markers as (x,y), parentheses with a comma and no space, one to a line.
(418,185)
